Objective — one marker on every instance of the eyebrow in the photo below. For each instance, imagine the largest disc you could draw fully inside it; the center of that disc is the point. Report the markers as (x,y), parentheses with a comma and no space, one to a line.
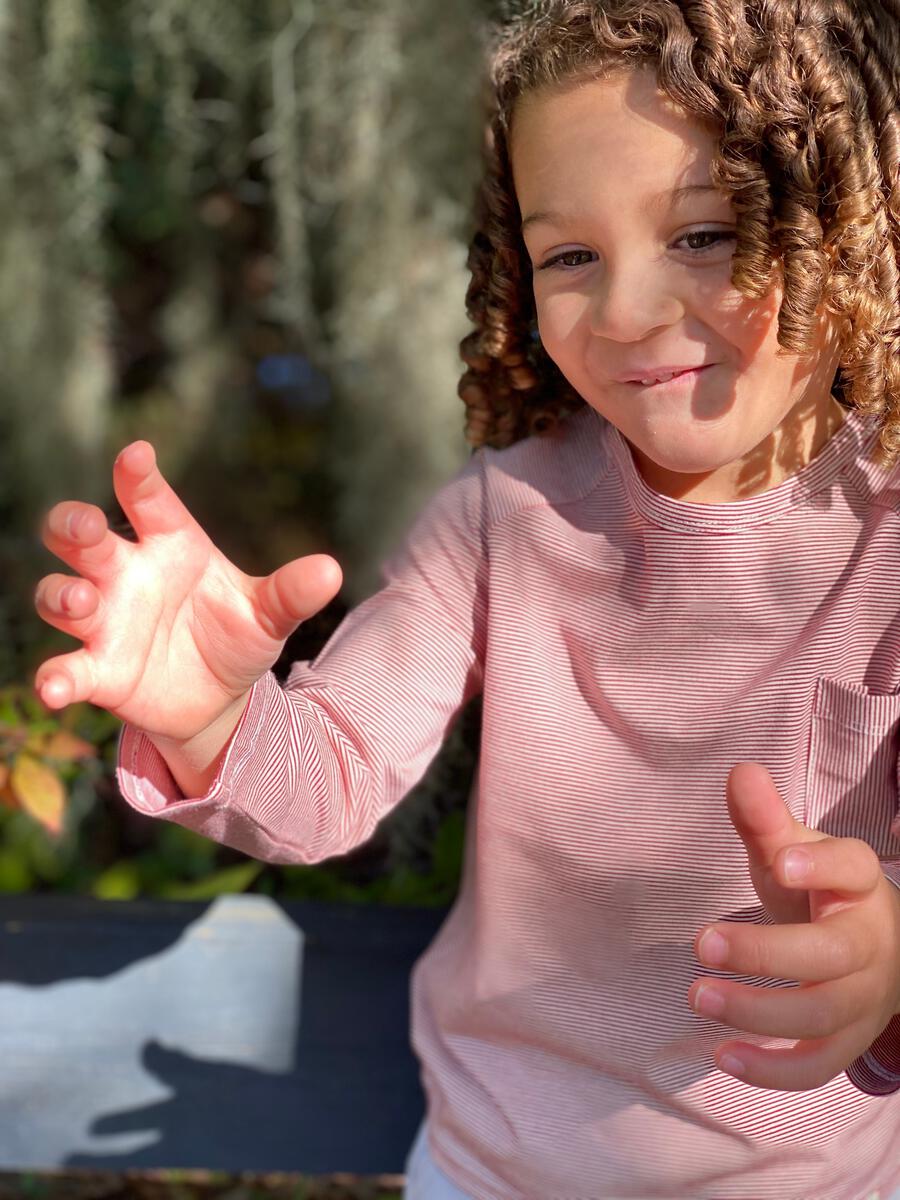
(551,216)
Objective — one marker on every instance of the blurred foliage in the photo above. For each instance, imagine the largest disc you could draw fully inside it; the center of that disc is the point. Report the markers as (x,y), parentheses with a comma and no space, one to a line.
(53,769)
(33,755)
(237,231)
(49,767)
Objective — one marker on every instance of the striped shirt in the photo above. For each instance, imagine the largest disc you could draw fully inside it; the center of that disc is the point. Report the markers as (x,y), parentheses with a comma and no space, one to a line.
(630,648)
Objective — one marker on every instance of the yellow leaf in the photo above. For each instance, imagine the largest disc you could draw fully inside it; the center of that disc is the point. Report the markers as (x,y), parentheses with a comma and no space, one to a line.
(40,792)
(66,746)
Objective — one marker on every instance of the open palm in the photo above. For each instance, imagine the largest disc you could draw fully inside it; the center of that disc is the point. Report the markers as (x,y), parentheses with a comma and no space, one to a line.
(173,633)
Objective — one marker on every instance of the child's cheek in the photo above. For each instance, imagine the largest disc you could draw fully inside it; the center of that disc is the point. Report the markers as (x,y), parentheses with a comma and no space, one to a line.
(563,322)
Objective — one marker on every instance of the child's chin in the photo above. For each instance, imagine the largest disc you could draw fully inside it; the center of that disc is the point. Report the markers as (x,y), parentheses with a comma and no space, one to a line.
(683,456)
(686,472)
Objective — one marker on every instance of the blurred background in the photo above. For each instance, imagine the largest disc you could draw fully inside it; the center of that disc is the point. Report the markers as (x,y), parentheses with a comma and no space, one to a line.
(238,231)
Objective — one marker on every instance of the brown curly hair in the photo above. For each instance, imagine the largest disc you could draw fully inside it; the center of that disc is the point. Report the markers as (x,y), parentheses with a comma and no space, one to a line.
(805,96)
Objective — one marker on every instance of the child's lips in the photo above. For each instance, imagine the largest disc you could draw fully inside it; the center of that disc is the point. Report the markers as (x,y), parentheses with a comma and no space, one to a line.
(682,380)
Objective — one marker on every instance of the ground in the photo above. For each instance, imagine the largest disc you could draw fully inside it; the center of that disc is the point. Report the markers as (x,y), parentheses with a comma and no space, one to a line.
(194,1185)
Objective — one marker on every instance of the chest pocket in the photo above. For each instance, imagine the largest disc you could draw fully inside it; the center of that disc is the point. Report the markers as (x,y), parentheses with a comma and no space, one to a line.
(852,771)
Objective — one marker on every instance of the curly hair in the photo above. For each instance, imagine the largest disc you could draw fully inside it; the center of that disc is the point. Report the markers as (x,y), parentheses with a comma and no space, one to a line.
(804,95)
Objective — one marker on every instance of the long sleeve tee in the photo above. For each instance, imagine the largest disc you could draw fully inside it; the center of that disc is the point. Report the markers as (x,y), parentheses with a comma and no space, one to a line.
(630,649)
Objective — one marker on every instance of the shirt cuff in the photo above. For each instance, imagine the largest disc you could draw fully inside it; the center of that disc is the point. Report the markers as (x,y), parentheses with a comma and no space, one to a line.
(143,775)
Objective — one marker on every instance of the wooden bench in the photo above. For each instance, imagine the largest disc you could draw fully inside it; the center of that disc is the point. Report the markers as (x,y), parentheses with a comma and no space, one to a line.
(244,1034)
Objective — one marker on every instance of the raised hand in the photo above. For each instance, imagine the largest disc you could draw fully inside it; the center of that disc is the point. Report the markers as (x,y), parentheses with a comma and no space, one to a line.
(838,937)
(173,633)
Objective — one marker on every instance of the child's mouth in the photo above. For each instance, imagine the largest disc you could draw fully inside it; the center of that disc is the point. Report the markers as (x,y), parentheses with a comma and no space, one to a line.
(682,380)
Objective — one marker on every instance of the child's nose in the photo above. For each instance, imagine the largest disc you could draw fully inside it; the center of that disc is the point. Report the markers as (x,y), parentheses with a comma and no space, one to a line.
(626,303)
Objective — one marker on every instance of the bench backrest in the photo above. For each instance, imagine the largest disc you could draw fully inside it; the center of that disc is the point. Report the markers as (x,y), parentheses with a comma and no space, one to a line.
(241,1035)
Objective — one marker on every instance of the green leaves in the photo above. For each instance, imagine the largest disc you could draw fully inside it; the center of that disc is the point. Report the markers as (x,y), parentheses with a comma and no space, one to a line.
(36,752)
(402,888)
(56,773)
(129,878)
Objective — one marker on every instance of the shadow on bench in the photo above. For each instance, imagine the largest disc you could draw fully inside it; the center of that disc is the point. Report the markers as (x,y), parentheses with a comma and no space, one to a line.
(245,1034)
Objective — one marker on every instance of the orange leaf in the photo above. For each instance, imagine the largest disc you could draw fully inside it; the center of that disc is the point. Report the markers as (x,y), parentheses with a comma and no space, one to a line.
(66,746)
(4,775)
(40,792)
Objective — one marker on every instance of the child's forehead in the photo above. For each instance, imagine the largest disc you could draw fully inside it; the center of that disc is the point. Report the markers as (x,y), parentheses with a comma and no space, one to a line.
(607,98)
(624,124)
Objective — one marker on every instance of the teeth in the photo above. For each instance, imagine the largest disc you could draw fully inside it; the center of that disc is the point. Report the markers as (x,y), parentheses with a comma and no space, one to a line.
(662,378)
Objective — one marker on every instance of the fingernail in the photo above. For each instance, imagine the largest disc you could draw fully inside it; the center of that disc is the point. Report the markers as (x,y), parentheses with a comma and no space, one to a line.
(732,1064)
(796,864)
(709,1001)
(713,948)
(72,522)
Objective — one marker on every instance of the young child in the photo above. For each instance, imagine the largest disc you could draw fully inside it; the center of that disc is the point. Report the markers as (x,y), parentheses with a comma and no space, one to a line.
(672,566)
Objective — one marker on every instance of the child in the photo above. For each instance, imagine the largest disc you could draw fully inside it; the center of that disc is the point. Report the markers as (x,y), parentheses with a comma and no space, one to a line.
(672,566)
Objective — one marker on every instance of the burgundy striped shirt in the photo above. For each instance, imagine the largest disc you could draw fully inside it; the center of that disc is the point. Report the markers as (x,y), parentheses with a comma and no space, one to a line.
(630,648)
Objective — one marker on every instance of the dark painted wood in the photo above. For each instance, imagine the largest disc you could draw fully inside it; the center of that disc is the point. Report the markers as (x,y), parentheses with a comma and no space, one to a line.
(242,1035)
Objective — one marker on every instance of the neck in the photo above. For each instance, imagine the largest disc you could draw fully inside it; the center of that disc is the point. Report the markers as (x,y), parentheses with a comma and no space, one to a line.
(787,450)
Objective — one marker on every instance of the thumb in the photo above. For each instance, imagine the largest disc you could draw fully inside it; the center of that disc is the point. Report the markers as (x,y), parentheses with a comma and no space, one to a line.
(296,592)
(765,825)
(760,816)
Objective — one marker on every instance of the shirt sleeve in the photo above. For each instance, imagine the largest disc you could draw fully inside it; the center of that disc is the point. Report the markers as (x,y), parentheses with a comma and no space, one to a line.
(314,765)
(877,1070)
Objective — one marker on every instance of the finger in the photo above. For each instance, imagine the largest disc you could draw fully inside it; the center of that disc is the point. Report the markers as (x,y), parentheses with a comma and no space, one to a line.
(67,604)
(149,502)
(78,534)
(846,865)
(815,1010)
(830,948)
(295,592)
(808,1064)
(66,679)
(758,813)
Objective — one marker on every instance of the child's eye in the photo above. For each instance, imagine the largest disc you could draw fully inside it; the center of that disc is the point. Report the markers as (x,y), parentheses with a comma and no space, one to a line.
(719,235)
(551,262)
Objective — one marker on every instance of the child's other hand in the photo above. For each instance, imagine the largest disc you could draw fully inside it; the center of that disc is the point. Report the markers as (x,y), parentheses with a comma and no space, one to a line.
(174,634)
(838,937)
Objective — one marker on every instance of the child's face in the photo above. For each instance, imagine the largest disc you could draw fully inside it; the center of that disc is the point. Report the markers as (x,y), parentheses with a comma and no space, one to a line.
(643,286)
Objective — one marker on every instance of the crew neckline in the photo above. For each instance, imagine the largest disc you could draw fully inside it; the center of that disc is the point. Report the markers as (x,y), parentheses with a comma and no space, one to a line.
(856,434)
